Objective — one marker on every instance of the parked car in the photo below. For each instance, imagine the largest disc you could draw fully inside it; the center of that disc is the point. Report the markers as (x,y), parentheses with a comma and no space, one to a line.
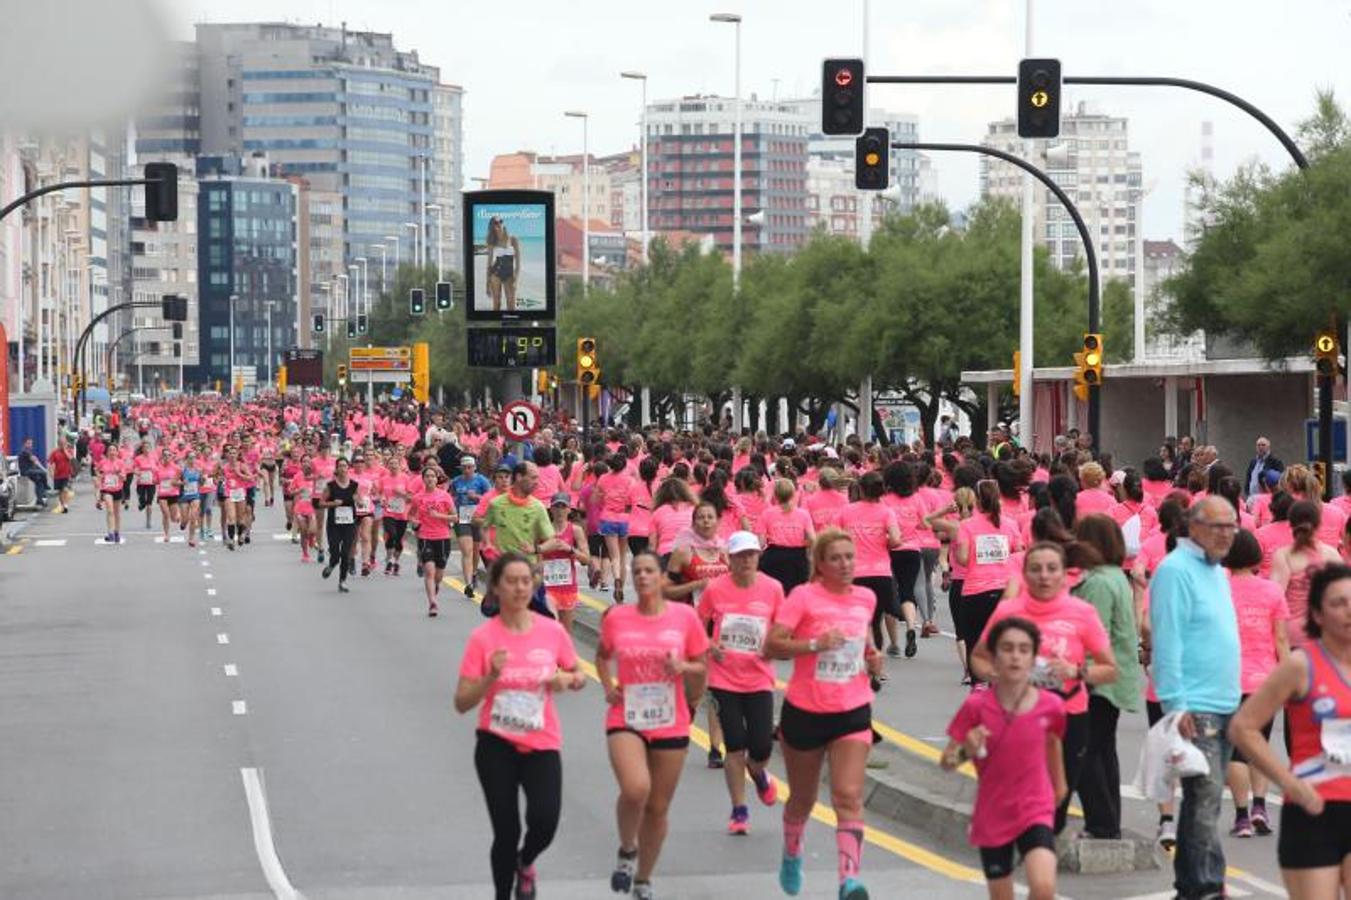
(9,487)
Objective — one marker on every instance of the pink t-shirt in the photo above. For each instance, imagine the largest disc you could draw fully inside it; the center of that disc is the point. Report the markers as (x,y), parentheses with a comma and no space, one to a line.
(1015,789)
(1070,630)
(439,501)
(640,518)
(1272,538)
(1153,550)
(1258,604)
(989,548)
(653,702)
(829,681)
(1332,525)
(934,500)
(868,523)
(1260,507)
(741,618)
(394,490)
(668,521)
(166,480)
(617,497)
(824,507)
(784,529)
(910,512)
(519,706)
(1091,501)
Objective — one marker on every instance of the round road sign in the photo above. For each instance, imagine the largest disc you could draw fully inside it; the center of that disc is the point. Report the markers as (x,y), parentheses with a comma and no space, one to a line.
(520,420)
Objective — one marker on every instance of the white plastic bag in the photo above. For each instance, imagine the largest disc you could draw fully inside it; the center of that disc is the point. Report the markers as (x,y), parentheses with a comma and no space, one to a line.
(1165,757)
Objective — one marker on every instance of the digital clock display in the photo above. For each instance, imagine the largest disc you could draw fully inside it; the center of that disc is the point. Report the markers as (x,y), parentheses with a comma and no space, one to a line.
(512,348)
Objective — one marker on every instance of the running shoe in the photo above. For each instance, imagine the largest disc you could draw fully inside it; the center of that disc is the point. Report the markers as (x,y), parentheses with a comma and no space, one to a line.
(343,588)
(929,630)
(469,592)
(740,823)
(1260,823)
(621,879)
(328,570)
(396,568)
(642,890)
(910,647)
(765,788)
(319,555)
(525,883)
(853,889)
(365,570)
(790,875)
(715,760)
(1167,836)
(389,568)
(431,611)
(894,652)
(1242,827)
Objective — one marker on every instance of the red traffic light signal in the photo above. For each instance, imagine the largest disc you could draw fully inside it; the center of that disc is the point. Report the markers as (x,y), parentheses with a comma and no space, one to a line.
(842,110)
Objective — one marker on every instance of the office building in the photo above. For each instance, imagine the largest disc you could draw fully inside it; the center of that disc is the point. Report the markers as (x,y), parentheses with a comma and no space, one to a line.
(152,352)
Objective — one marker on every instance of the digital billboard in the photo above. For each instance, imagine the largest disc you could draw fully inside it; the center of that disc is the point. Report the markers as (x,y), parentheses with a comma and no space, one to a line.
(509,255)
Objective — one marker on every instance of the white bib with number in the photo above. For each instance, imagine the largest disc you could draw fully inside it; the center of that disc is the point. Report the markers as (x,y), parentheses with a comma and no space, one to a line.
(742,634)
(650,705)
(1042,676)
(557,572)
(146,478)
(237,495)
(466,514)
(343,515)
(1336,739)
(842,664)
(166,485)
(112,481)
(991,549)
(396,504)
(517,712)
(364,505)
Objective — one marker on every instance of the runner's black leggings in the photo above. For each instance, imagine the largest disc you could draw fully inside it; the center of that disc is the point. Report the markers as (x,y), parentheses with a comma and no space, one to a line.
(342,540)
(394,532)
(504,772)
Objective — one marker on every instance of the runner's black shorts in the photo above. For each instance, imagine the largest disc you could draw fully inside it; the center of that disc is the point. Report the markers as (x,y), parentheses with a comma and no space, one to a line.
(670,743)
(1266,733)
(463,529)
(998,861)
(1309,842)
(433,551)
(804,730)
(596,544)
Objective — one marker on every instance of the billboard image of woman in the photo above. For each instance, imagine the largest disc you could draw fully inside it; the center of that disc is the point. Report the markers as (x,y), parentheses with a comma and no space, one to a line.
(510,265)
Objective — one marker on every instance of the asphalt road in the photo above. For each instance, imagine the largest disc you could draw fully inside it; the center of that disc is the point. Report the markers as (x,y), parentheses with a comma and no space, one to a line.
(198,723)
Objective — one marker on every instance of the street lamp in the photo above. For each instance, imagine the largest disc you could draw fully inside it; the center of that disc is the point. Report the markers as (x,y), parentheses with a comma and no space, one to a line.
(440,236)
(346,297)
(734,19)
(394,238)
(268,304)
(586,199)
(364,296)
(384,274)
(412,226)
(639,76)
(233,298)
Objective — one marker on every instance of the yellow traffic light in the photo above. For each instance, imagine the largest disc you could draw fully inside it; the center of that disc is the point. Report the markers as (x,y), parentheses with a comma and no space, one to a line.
(1088,365)
(588,361)
(342,375)
(281,379)
(422,372)
(1326,351)
(1017,372)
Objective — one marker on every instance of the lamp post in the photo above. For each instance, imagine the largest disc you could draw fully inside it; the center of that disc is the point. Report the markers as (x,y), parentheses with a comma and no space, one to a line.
(384,274)
(586,198)
(364,297)
(342,276)
(268,304)
(327,288)
(640,76)
(412,226)
(233,298)
(440,237)
(734,19)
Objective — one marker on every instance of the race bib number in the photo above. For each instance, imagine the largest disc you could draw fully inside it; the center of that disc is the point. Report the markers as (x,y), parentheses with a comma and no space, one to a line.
(364,505)
(650,705)
(557,572)
(1042,676)
(304,495)
(237,495)
(842,664)
(991,549)
(517,712)
(396,504)
(466,514)
(166,485)
(743,634)
(1336,738)
(343,515)
(112,482)
(146,478)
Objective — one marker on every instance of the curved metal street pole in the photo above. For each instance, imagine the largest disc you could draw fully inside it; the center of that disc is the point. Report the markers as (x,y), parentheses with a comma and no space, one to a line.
(1094,297)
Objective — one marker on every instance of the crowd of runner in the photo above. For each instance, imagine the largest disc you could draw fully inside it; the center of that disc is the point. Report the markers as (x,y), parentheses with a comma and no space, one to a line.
(1077,590)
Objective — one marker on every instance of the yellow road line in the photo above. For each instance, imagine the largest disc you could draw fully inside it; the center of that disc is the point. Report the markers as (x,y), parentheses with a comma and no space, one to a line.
(15,550)
(820,812)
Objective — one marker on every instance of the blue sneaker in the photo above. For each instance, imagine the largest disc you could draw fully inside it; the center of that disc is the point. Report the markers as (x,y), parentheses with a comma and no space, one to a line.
(790,875)
(853,889)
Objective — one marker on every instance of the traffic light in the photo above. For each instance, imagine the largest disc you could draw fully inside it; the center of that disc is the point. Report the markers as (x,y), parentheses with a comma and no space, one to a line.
(318,323)
(1088,366)
(1017,373)
(342,375)
(842,96)
(1039,98)
(173,308)
(178,331)
(351,328)
(417,302)
(161,192)
(443,301)
(361,323)
(422,372)
(588,361)
(1325,354)
(281,379)
(542,381)
(872,153)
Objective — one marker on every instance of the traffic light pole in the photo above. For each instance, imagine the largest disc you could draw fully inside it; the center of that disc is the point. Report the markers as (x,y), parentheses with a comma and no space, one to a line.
(1090,251)
(84,338)
(1325,385)
(65,185)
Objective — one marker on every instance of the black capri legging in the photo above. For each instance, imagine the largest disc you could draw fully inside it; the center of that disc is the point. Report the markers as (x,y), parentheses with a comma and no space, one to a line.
(905,566)
(788,566)
(145,495)
(884,589)
(747,721)
(342,546)
(973,614)
(504,773)
(395,529)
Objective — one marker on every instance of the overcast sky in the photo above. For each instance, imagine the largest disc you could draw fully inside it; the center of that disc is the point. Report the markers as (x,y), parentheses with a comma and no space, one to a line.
(523,63)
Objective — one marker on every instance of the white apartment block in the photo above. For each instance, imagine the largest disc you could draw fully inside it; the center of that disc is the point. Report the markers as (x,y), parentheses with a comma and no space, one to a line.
(1093,163)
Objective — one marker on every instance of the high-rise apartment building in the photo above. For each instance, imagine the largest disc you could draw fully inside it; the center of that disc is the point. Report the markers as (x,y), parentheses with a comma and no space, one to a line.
(1093,163)
(564,176)
(690,171)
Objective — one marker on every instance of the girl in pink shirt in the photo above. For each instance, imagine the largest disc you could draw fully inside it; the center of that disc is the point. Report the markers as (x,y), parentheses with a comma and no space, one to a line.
(649,653)
(640,518)
(167,481)
(513,665)
(1014,735)
(394,498)
(823,628)
(872,526)
(825,504)
(672,512)
(786,531)
(301,489)
(615,491)
(909,509)
(983,545)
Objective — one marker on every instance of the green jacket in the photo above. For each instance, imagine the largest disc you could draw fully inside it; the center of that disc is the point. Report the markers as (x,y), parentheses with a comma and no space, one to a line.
(1108,589)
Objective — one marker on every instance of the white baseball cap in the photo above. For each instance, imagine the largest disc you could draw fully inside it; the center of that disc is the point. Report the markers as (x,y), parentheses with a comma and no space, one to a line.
(742,542)
(468,461)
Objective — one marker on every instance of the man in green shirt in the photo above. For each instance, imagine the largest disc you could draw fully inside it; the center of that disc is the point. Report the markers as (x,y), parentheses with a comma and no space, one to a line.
(519,522)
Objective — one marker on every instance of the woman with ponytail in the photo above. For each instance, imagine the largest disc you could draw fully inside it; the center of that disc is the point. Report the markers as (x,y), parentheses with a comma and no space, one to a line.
(1293,566)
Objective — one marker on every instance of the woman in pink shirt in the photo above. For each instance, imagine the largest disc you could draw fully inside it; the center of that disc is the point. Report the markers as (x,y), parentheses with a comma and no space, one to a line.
(394,499)
(909,508)
(146,468)
(983,545)
(1260,607)
(167,486)
(111,492)
(672,513)
(651,664)
(640,519)
(872,526)
(435,513)
(615,492)
(301,489)
(786,530)
(513,665)
(1091,498)
(1072,634)
(1292,566)
(823,627)
(1014,734)
(824,505)
(1277,534)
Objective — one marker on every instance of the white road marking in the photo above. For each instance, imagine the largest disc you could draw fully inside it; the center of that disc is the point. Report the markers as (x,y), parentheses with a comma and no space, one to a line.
(211,592)
(50,542)
(222,638)
(240,709)
(262,838)
(1259,884)
(1229,891)
(205,563)
(176,539)
(231,671)
(208,576)
(280,536)
(215,611)
(1129,792)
